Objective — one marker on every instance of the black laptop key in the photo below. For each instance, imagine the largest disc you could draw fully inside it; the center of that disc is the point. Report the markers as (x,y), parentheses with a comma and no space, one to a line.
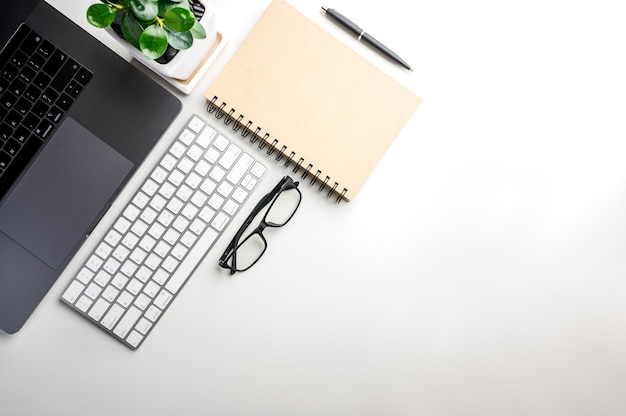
(50,95)
(12,146)
(31,42)
(36,62)
(83,76)
(27,75)
(21,134)
(8,100)
(5,132)
(42,80)
(64,102)
(4,160)
(46,48)
(32,93)
(55,114)
(39,109)
(9,71)
(55,62)
(65,75)
(13,119)
(22,106)
(44,129)
(19,59)
(18,87)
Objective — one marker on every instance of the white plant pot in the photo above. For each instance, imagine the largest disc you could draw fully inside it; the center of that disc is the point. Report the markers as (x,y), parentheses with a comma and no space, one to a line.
(183,65)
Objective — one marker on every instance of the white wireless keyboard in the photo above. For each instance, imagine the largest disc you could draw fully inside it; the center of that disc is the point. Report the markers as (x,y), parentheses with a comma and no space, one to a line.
(174,218)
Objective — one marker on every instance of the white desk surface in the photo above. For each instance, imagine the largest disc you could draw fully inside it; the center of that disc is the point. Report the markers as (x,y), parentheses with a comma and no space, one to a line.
(481,270)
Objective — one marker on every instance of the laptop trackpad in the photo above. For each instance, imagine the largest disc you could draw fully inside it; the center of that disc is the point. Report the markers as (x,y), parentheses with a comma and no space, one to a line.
(62,193)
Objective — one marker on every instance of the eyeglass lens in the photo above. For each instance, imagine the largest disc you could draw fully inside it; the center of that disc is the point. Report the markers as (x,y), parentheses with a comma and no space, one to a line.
(278,214)
(283,207)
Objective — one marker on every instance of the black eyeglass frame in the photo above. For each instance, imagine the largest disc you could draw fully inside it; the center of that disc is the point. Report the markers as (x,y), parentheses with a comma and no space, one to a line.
(286,183)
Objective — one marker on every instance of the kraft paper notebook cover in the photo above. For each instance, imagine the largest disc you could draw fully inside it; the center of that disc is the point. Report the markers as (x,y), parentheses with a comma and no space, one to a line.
(311,100)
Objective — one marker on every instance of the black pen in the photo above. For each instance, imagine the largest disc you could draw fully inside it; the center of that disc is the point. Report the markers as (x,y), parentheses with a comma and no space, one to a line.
(362,35)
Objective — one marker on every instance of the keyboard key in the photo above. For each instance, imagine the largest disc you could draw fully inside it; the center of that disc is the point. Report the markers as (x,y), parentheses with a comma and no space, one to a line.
(27,75)
(40,109)
(54,114)
(127,322)
(5,132)
(73,291)
(134,339)
(55,62)
(49,96)
(8,100)
(99,308)
(9,72)
(18,87)
(21,134)
(44,129)
(4,161)
(240,168)
(12,146)
(31,42)
(64,101)
(83,76)
(111,318)
(22,106)
(45,48)
(19,59)
(42,80)
(65,74)
(36,62)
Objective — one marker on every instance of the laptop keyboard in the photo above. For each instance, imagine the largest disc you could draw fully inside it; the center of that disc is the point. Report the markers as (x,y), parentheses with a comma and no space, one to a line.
(38,85)
(173,219)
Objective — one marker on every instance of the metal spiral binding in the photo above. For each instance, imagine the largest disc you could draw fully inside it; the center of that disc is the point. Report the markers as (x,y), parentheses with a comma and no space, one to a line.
(316,177)
(219,111)
(281,153)
(298,165)
(289,159)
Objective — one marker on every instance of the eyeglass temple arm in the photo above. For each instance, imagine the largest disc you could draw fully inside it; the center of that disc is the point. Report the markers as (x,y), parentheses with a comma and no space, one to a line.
(258,207)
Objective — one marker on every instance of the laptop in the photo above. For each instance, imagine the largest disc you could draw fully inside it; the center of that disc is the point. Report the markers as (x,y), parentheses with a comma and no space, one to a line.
(76,121)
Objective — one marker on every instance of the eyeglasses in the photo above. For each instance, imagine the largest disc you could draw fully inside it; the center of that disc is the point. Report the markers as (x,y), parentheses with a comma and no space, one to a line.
(283,201)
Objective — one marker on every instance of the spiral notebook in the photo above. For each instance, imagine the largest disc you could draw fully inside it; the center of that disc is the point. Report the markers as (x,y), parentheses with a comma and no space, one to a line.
(311,101)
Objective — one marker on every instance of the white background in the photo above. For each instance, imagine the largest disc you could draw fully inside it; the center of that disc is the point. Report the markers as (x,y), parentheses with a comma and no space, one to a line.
(480,270)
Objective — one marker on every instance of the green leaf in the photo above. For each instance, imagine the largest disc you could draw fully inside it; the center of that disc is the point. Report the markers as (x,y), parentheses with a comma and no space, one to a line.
(197,31)
(164,5)
(179,40)
(100,15)
(179,19)
(145,10)
(132,30)
(153,42)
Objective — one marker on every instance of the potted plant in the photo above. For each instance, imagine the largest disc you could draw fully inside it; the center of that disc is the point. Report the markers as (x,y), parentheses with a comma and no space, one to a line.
(160,33)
